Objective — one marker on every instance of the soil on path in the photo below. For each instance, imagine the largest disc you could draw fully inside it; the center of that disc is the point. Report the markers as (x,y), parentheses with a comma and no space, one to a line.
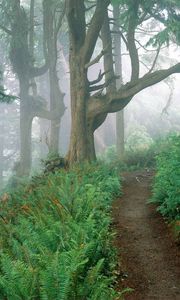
(149,256)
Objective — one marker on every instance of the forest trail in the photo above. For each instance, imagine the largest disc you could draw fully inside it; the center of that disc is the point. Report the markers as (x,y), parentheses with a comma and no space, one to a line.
(148,254)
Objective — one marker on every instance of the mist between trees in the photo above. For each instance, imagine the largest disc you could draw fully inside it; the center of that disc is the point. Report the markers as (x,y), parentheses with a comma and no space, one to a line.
(85,75)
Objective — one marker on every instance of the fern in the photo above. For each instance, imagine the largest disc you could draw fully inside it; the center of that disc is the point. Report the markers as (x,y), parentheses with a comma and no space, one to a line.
(56,241)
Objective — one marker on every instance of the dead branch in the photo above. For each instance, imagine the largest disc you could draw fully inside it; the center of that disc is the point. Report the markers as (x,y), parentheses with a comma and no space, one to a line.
(104,85)
(155,60)
(97,59)
(100,77)
(90,7)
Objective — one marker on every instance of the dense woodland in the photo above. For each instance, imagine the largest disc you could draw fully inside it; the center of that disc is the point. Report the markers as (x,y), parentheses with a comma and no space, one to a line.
(89,89)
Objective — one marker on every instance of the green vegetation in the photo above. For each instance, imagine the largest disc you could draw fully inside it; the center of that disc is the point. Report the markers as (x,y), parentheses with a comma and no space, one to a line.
(4,97)
(56,241)
(135,158)
(166,189)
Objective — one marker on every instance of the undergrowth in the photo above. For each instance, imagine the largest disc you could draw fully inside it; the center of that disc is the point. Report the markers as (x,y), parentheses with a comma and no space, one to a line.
(134,158)
(56,241)
(166,188)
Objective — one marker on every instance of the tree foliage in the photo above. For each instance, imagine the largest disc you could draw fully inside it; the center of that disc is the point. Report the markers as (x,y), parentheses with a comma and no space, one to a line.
(5,97)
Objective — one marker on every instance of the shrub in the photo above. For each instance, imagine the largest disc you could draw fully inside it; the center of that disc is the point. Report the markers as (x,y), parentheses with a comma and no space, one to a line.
(56,241)
(166,188)
(138,138)
(134,158)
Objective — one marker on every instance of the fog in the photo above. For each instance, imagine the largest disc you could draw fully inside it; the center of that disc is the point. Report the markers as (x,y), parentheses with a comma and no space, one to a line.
(152,113)
(149,112)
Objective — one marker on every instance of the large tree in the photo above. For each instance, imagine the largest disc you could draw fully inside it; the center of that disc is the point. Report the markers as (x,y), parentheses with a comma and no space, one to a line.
(20,25)
(53,12)
(89,110)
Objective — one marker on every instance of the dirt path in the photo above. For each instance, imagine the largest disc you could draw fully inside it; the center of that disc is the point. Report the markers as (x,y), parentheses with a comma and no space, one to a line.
(150,261)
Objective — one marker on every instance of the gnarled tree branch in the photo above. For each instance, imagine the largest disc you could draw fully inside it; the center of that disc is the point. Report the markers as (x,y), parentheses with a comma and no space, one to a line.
(100,77)
(96,59)
(133,52)
(75,12)
(94,29)
(48,115)
(116,101)
(108,56)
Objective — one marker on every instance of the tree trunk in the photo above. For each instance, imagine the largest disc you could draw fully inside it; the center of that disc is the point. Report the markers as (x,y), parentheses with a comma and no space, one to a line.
(91,143)
(82,44)
(118,71)
(120,134)
(44,123)
(51,30)
(26,119)
(1,147)
(1,163)
(25,149)
(78,149)
(55,97)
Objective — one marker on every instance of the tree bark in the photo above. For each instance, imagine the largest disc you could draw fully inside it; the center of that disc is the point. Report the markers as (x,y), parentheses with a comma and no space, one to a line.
(119,81)
(1,147)
(79,145)
(108,55)
(26,119)
(120,134)
(78,149)
(51,29)
(55,96)
(25,148)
